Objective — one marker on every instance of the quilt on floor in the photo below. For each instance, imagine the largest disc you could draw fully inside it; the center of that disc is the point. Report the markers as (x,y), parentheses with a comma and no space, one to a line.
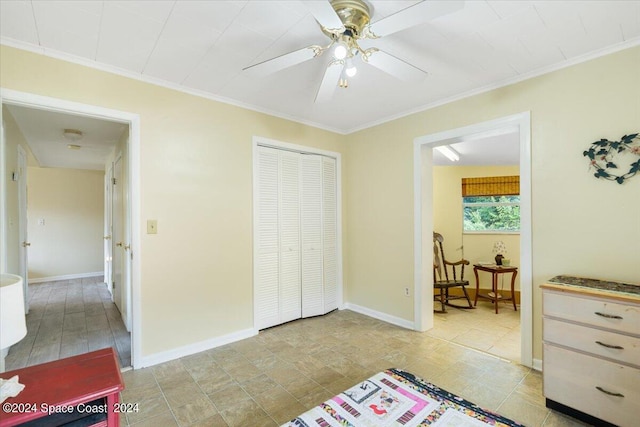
(398,398)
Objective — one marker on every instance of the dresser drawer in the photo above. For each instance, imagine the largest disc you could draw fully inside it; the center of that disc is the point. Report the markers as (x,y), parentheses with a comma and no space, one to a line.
(571,378)
(601,313)
(590,340)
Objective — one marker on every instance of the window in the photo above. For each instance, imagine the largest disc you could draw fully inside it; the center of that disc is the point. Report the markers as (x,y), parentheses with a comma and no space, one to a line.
(491,213)
(491,204)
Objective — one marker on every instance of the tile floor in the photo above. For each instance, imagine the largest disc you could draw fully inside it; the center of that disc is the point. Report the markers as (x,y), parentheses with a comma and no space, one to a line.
(482,329)
(69,317)
(268,379)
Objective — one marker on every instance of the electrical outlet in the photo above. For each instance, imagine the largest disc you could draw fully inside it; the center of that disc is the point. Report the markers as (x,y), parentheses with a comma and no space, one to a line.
(406,292)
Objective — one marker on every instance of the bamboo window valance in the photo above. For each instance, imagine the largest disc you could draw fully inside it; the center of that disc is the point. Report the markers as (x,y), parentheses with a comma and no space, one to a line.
(491,186)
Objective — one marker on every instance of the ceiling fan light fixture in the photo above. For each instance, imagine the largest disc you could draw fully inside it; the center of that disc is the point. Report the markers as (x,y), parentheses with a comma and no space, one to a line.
(72,134)
(449,152)
(340,51)
(350,68)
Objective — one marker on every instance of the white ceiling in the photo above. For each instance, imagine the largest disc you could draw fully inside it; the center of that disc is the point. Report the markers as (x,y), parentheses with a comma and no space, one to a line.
(496,150)
(202,47)
(43,131)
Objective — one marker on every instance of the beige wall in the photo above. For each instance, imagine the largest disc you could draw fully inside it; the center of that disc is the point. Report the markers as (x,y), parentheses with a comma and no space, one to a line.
(196,180)
(447,220)
(581,225)
(71,203)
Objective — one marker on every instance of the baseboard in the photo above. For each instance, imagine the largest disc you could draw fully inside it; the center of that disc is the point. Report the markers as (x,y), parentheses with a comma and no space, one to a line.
(65,277)
(187,350)
(404,323)
(537,364)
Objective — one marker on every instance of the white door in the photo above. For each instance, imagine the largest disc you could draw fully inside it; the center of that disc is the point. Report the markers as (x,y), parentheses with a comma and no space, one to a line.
(289,215)
(127,294)
(117,237)
(329,234)
(266,253)
(108,257)
(277,271)
(22,221)
(311,233)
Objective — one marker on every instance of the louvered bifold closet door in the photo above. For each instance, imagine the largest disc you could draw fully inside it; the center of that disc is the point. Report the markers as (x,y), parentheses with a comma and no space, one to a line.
(311,232)
(329,234)
(290,286)
(267,262)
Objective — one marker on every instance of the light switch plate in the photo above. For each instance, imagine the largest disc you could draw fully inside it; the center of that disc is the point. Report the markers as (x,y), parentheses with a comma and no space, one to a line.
(152,226)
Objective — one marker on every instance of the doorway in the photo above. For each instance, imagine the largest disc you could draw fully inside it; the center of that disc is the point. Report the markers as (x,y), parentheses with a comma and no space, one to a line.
(131,240)
(423,219)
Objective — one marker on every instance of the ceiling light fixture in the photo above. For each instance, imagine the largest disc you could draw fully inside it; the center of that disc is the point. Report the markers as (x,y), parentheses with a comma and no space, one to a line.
(340,51)
(449,152)
(350,68)
(72,134)
(73,146)
(346,23)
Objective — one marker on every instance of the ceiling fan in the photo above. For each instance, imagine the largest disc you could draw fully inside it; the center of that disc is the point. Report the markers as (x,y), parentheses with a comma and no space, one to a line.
(345,22)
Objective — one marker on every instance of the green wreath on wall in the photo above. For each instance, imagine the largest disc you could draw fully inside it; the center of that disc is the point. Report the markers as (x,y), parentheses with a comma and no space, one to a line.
(603,155)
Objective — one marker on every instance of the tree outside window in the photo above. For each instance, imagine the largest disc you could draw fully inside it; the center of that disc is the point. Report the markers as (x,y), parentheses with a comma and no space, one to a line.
(491,214)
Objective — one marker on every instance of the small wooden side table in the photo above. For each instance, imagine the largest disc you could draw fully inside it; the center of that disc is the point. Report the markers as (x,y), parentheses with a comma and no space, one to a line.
(495,271)
(83,387)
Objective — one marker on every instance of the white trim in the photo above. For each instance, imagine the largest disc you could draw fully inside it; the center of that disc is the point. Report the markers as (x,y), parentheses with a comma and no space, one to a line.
(398,321)
(31,100)
(506,82)
(187,350)
(18,44)
(65,277)
(537,365)
(52,53)
(423,221)
(266,142)
(3,201)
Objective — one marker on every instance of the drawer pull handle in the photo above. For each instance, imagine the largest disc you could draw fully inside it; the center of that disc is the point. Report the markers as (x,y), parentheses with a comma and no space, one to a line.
(617,347)
(608,316)
(608,392)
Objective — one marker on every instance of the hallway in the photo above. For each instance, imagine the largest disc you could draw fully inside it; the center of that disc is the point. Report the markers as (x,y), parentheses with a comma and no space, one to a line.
(70,317)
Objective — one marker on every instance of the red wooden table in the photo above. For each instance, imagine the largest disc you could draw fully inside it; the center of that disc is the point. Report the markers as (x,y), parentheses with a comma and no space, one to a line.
(495,270)
(54,388)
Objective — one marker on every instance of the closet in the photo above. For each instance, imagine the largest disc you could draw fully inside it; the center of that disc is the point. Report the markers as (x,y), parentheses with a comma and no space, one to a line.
(295,248)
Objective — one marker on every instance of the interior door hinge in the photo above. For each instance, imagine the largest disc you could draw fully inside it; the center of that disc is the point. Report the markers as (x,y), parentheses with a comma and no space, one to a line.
(113,285)
(113,181)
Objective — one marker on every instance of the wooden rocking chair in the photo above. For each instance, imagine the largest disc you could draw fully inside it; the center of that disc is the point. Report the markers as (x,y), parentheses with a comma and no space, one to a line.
(441,279)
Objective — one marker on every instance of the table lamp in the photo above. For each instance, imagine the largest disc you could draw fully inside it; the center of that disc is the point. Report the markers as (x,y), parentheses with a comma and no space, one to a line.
(13,325)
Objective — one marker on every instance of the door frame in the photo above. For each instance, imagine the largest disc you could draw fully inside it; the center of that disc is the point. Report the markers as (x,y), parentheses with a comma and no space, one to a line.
(108,234)
(266,142)
(119,236)
(423,220)
(29,100)
(22,224)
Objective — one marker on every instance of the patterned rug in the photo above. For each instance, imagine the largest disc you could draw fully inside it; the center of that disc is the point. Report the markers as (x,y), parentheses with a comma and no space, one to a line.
(398,398)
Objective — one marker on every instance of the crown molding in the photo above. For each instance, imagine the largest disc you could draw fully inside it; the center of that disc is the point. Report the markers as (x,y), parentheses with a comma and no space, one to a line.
(633,42)
(52,53)
(202,94)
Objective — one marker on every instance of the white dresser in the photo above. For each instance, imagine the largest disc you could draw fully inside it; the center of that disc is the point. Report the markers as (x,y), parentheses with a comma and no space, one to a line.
(591,361)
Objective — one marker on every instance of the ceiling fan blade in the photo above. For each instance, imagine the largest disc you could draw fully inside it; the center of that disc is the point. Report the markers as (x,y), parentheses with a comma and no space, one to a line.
(330,80)
(393,66)
(419,13)
(285,61)
(325,15)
